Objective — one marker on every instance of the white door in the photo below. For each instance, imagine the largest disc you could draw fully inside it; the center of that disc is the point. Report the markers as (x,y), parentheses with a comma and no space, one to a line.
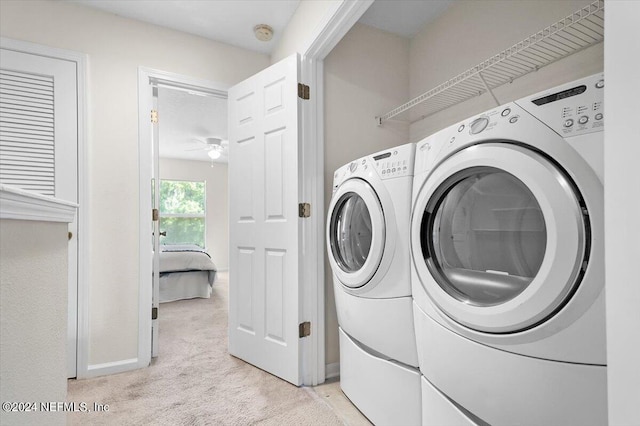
(155,225)
(39,145)
(264,265)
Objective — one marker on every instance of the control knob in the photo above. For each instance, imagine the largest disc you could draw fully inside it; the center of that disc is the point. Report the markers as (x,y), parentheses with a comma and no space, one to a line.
(478,125)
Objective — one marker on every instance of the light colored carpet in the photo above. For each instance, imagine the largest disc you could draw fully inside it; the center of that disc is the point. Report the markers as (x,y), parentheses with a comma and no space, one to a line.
(196,382)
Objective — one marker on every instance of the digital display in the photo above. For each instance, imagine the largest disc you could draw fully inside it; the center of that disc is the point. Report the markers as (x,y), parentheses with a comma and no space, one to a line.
(381,156)
(560,95)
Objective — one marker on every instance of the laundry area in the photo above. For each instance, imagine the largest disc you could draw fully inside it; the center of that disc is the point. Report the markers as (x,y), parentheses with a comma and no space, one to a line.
(413,212)
(486,234)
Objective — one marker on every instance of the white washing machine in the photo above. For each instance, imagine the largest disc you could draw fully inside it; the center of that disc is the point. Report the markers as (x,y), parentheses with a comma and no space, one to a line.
(507,237)
(369,253)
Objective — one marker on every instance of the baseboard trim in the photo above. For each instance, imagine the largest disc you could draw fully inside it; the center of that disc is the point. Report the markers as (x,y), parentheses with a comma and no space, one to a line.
(115,367)
(332,370)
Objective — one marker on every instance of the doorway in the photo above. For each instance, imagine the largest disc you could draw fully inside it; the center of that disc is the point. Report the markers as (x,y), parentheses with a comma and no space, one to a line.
(153,87)
(193,218)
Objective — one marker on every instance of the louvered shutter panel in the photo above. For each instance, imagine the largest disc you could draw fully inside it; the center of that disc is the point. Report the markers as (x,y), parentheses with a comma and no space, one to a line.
(27,138)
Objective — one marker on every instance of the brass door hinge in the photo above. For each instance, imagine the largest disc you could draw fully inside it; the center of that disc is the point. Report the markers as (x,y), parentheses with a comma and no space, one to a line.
(304,329)
(154,116)
(304,210)
(154,313)
(155,215)
(303,91)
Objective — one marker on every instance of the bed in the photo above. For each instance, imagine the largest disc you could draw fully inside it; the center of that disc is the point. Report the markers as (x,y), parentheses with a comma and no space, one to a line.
(186,272)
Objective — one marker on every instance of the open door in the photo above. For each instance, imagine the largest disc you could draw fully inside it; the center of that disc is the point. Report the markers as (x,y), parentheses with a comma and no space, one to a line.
(155,204)
(264,227)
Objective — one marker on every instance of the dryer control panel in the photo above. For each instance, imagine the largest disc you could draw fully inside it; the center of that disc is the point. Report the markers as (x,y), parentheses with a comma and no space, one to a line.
(571,109)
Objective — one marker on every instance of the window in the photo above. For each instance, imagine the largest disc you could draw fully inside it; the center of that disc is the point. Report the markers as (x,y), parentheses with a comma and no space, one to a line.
(182,212)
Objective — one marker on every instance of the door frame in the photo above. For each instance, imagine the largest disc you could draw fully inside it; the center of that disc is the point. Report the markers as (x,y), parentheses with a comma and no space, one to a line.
(81,313)
(330,30)
(335,24)
(145,148)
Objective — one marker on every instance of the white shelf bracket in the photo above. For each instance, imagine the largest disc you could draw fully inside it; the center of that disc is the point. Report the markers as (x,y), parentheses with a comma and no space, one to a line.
(488,89)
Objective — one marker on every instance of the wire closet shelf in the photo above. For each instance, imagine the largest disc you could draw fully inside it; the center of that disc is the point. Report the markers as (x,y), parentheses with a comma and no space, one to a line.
(578,31)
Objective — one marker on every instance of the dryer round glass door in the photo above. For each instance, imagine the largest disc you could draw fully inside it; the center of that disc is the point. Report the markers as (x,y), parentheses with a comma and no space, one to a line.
(499,237)
(487,236)
(355,233)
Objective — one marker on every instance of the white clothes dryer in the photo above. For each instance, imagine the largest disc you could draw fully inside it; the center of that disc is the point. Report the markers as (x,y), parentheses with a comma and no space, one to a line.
(507,237)
(369,253)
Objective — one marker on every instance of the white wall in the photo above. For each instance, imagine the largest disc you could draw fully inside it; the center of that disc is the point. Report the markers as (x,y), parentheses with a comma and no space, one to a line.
(471,31)
(117,47)
(622,204)
(306,19)
(33,317)
(365,74)
(217,238)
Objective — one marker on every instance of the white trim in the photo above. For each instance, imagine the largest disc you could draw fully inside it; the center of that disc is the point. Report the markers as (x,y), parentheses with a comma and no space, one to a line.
(81,60)
(334,25)
(18,204)
(333,370)
(115,367)
(145,100)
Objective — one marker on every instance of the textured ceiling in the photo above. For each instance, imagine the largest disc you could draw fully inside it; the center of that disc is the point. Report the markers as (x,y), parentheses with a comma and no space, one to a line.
(186,120)
(228,21)
(404,17)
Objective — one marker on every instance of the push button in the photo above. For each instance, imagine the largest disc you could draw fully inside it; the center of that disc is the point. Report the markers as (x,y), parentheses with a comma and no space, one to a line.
(599,116)
(505,112)
(568,123)
(583,120)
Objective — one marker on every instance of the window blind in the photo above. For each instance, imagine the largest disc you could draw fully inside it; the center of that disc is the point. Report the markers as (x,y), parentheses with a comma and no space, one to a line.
(27,136)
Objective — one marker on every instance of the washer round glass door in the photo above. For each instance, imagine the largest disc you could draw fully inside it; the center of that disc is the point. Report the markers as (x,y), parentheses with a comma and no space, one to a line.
(499,238)
(355,233)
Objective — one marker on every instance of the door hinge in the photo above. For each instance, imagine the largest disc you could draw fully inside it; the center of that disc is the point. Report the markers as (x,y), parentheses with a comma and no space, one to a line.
(304,210)
(155,215)
(303,91)
(304,329)
(154,313)
(154,116)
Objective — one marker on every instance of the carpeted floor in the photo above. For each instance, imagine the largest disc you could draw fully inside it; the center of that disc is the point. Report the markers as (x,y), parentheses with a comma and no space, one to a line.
(195,381)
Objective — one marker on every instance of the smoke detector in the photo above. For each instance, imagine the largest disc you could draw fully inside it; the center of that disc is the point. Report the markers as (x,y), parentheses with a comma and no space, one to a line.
(263,32)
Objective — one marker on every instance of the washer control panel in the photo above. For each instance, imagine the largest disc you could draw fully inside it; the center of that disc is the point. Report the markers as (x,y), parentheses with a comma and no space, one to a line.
(571,109)
(392,163)
(395,162)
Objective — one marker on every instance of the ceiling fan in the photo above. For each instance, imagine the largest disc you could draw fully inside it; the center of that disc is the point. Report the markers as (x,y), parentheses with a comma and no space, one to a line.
(215,147)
